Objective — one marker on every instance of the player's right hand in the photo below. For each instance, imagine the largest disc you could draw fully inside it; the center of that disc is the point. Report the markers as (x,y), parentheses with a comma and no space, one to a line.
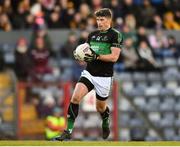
(92,57)
(75,55)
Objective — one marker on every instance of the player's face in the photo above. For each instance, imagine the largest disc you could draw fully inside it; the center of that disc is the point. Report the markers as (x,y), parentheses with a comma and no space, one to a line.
(103,23)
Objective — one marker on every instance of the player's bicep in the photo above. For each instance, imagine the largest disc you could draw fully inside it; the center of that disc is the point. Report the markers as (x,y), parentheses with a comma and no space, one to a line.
(115,52)
(117,40)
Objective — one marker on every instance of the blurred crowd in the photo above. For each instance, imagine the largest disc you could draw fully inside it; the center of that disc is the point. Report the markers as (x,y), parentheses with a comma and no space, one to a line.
(152,14)
(38,59)
(142,23)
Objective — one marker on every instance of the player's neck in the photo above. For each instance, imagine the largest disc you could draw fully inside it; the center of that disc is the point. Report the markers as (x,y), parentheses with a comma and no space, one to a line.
(106,29)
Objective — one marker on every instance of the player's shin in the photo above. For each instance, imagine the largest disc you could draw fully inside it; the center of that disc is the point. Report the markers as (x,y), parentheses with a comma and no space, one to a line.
(105,117)
(71,116)
(105,123)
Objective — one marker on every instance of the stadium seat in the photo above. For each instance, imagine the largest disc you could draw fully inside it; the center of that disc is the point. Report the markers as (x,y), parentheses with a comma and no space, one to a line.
(167,105)
(177,107)
(176,138)
(128,86)
(156,84)
(134,92)
(177,122)
(169,62)
(153,104)
(178,61)
(165,92)
(169,133)
(140,102)
(153,76)
(125,76)
(124,119)
(171,84)
(171,74)
(151,138)
(136,122)
(151,91)
(138,134)
(154,116)
(124,105)
(138,76)
(167,120)
(124,134)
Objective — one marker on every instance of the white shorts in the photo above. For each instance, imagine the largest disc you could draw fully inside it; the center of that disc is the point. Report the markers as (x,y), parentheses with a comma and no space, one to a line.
(101,85)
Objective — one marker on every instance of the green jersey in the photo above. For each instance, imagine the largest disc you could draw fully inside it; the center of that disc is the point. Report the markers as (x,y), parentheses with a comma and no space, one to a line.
(101,43)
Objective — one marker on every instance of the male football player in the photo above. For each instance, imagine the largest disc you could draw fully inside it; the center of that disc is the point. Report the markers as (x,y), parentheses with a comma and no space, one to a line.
(105,44)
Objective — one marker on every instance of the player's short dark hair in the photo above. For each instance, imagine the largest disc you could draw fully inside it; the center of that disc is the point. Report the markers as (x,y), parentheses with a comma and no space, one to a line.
(104,12)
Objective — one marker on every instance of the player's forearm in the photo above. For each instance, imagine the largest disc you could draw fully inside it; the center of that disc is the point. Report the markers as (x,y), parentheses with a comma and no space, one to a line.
(108,58)
(113,57)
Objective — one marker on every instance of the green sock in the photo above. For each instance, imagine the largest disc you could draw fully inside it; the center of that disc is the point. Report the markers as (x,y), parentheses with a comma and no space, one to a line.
(105,123)
(71,116)
(70,125)
(105,118)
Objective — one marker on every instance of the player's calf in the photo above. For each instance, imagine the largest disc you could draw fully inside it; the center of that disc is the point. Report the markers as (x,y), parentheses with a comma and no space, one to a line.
(105,123)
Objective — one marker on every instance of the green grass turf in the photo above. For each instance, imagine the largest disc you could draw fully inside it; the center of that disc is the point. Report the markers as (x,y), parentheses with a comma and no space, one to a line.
(87,143)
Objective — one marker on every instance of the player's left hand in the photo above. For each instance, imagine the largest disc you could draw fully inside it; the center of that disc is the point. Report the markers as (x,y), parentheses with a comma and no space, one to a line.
(92,57)
(74,54)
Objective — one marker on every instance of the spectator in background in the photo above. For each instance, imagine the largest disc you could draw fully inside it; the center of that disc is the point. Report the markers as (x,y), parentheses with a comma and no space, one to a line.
(78,67)
(130,21)
(7,8)
(142,36)
(91,23)
(66,51)
(116,8)
(118,24)
(67,12)
(173,46)
(158,40)
(128,34)
(45,106)
(22,59)
(55,123)
(169,22)
(176,10)
(83,37)
(5,23)
(129,8)
(22,18)
(55,20)
(77,22)
(40,30)
(40,58)
(156,23)
(130,56)
(96,4)
(165,7)
(2,63)
(84,11)
(48,5)
(147,11)
(147,60)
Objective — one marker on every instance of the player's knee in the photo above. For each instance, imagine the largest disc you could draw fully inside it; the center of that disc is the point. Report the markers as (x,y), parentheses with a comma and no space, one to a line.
(100,108)
(76,100)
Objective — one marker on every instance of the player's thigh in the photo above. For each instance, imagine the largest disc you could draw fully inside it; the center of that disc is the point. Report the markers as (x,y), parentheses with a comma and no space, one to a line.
(102,86)
(101,105)
(79,92)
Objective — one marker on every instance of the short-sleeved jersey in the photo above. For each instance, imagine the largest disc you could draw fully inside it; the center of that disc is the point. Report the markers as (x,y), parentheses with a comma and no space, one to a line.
(101,43)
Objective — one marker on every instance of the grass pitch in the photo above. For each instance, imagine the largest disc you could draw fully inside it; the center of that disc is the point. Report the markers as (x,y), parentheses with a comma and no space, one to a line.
(87,143)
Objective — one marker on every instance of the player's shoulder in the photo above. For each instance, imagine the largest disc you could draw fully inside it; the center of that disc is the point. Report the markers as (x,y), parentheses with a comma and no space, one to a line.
(115,31)
(94,32)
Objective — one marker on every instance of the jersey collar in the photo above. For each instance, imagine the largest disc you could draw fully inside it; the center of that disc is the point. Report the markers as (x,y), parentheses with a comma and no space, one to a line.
(105,30)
